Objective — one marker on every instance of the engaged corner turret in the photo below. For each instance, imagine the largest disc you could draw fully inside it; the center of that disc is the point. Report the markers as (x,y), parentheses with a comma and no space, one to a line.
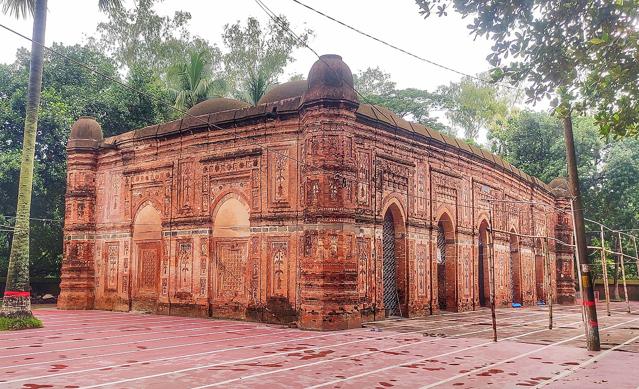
(86,133)
(330,80)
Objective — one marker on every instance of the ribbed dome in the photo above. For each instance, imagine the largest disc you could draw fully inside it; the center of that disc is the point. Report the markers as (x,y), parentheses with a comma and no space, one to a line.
(86,132)
(284,91)
(330,79)
(217,104)
(86,127)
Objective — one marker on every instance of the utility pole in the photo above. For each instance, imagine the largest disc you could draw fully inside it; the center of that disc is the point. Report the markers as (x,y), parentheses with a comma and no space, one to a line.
(587,293)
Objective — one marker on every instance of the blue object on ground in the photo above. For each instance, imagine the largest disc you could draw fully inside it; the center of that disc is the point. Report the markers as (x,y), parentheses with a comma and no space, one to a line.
(516,305)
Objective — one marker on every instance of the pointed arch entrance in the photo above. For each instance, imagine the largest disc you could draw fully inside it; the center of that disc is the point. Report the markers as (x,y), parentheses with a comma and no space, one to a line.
(446,265)
(147,244)
(515,268)
(394,270)
(483,281)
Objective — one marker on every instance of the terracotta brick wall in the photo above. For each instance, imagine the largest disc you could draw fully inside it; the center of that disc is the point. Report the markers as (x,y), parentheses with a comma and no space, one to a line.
(278,217)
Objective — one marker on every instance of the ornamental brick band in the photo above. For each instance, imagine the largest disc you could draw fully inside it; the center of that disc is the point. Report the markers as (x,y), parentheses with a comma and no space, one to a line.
(277,213)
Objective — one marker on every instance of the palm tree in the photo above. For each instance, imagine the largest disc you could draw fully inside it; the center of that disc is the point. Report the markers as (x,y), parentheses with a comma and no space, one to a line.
(17,301)
(190,83)
(255,86)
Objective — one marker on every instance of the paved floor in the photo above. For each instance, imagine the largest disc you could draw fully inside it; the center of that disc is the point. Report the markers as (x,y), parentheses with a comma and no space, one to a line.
(127,350)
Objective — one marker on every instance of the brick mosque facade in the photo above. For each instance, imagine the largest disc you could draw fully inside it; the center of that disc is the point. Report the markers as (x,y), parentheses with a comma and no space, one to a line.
(311,207)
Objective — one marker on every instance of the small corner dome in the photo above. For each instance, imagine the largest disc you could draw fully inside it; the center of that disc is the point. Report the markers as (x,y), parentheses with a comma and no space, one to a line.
(559,186)
(330,79)
(216,104)
(86,128)
(284,91)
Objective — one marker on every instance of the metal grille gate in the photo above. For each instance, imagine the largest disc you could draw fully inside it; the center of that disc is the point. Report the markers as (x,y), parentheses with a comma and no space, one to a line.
(441,267)
(391,297)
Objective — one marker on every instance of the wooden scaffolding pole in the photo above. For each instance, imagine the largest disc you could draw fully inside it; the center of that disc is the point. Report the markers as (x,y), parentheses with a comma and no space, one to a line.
(604,269)
(623,271)
(548,277)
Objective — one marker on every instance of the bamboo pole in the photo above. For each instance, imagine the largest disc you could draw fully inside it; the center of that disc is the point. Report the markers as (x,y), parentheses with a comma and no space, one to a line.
(491,271)
(604,270)
(548,282)
(623,272)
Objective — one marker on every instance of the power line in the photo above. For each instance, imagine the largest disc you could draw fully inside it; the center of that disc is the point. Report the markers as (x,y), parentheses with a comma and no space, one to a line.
(271,14)
(277,20)
(210,125)
(397,48)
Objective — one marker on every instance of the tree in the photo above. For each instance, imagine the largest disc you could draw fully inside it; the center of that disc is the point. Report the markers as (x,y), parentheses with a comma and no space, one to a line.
(256,57)
(190,83)
(376,87)
(139,37)
(533,141)
(559,48)
(16,301)
(616,195)
(472,105)
(589,48)
(68,92)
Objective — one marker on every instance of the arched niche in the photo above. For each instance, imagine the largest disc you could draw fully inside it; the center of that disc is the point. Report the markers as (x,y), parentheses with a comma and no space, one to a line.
(231,219)
(446,255)
(147,252)
(147,224)
(540,274)
(230,235)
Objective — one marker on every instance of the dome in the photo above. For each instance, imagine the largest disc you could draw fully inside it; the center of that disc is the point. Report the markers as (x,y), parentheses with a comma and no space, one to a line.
(559,186)
(217,104)
(330,79)
(284,91)
(86,132)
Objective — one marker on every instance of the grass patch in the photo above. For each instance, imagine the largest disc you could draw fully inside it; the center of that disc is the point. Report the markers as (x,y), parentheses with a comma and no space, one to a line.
(19,323)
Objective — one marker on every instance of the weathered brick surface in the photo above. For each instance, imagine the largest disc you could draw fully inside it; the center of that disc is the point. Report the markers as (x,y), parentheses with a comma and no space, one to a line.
(275,212)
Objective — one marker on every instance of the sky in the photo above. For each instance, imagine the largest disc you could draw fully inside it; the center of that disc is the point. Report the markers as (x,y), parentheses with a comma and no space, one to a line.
(443,40)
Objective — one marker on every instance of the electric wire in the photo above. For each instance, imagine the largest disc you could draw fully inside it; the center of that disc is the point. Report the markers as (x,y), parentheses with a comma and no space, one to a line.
(277,20)
(208,124)
(401,50)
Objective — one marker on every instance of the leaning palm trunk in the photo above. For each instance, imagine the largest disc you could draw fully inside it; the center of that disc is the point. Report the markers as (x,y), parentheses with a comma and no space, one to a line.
(17,301)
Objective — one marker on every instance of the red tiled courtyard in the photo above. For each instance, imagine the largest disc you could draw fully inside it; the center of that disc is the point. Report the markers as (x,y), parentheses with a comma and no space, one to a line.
(126,350)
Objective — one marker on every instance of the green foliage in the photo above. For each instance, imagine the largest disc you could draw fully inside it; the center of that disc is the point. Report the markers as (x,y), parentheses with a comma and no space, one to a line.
(68,92)
(139,37)
(19,323)
(416,105)
(256,57)
(472,105)
(589,48)
(609,172)
(190,84)
(18,8)
(617,189)
(533,142)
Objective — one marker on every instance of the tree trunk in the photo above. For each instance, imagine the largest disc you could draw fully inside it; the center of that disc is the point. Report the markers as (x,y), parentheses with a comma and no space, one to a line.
(587,293)
(17,301)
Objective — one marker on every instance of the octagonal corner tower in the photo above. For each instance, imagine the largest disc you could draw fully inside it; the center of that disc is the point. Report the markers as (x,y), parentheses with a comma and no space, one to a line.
(311,207)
